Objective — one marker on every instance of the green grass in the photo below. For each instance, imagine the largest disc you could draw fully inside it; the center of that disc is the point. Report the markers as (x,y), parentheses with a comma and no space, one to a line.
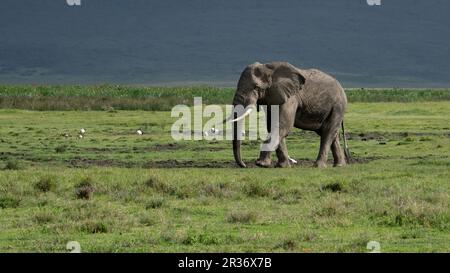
(116,97)
(116,191)
(108,97)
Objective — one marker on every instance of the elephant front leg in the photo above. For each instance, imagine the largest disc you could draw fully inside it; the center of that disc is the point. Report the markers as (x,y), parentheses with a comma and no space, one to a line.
(278,130)
(264,159)
(269,145)
(282,154)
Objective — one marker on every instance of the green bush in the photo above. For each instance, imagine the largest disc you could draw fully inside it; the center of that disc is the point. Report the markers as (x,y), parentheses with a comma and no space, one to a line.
(9,202)
(243,217)
(13,164)
(84,189)
(46,184)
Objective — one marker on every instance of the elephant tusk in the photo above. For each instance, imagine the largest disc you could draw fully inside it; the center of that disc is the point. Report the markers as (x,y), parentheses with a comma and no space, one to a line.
(242,116)
(293,160)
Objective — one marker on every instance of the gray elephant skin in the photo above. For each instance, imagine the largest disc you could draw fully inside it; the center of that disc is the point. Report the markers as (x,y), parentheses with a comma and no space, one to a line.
(308,99)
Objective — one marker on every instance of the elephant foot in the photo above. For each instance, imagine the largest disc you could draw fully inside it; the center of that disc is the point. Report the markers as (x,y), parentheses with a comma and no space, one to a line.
(339,164)
(265,163)
(320,164)
(283,164)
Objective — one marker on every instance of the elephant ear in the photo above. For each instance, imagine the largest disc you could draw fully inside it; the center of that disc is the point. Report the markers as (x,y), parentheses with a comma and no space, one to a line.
(286,82)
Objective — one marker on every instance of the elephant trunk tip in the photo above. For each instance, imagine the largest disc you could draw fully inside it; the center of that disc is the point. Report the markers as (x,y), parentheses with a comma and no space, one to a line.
(242,164)
(237,152)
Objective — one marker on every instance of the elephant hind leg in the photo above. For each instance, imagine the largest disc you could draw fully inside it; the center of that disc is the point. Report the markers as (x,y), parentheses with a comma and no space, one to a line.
(328,134)
(325,142)
(337,152)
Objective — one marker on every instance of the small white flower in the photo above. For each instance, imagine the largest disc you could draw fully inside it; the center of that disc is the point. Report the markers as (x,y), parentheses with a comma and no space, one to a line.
(82,131)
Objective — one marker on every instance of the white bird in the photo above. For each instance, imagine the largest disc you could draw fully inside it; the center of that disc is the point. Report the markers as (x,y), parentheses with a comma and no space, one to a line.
(82,131)
(139,132)
(212,131)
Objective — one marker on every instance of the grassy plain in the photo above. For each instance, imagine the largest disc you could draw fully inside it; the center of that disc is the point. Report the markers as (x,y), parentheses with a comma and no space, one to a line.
(116,191)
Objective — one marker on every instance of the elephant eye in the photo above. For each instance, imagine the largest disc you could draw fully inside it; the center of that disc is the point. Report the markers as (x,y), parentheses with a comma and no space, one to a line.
(259,91)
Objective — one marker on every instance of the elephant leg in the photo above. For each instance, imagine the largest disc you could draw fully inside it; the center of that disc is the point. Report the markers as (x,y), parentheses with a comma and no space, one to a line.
(325,142)
(282,154)
(327,136)
(337,152)
(287,113)
(264,159)
(287,119)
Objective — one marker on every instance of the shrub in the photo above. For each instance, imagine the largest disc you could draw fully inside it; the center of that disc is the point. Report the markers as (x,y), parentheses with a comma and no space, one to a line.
(254,189)
(84,189)
(43,217)
(154,203)
(147,220)
(290,196)
(241,217)
(46,184)
(61,149)
(216,190)
(9,202)
(186,191)
(288,244)
(13,164)
(192,238)
(333,187)
(160,186)
(94,227)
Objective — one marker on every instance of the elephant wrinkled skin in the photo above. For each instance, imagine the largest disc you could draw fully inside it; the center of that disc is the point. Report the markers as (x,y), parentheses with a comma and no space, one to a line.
(308,99)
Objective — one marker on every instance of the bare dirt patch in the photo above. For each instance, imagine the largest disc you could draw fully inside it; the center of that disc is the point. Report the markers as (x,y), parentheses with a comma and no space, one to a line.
(78,162)
(169,164)
(389,136)
(167,147)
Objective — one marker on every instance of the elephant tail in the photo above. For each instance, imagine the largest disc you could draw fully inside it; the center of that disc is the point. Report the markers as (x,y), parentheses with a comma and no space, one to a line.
(348,155)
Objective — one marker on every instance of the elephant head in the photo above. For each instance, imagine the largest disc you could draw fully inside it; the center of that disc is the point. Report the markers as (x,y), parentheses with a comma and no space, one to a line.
(264,84)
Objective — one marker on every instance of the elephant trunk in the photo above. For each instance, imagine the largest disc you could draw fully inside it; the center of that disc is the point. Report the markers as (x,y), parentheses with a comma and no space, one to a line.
(238,100)
(242,100)
(237,145)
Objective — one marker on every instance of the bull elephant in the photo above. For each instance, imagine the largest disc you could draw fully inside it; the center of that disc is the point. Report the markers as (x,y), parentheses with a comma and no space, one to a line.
(308,99)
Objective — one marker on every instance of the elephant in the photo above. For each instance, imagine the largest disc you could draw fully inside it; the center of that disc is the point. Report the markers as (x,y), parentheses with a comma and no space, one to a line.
(308,99)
